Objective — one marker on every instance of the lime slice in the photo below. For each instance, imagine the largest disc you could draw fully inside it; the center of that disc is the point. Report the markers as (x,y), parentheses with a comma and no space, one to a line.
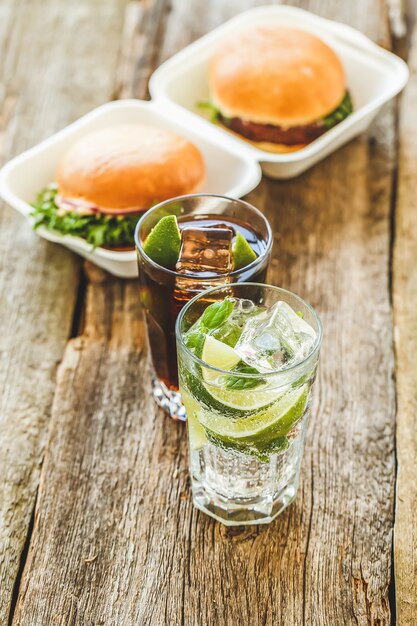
(217,354)
(244,402)
(227,402)
(260,429)
(196,431)
(221,355)
(163,243)
(252,421)
(260,450)
(243,254)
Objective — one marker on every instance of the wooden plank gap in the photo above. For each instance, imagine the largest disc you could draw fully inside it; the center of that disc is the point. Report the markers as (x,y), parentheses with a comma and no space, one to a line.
(405,334)
(22,563)
(78,318)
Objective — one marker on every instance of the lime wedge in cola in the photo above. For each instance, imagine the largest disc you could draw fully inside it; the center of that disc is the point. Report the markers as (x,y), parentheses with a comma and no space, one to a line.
(163,243)
(243,254)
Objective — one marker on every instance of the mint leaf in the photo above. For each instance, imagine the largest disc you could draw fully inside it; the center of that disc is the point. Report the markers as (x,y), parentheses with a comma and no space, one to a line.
(228,333)
(238,383)
(194,340)
(217,313)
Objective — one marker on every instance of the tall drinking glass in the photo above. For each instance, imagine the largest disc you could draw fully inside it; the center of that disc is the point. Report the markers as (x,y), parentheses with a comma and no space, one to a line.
(247,360)
(164,291)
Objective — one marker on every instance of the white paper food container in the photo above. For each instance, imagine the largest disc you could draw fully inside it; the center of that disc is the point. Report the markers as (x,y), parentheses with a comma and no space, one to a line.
(374,76)
(228,172)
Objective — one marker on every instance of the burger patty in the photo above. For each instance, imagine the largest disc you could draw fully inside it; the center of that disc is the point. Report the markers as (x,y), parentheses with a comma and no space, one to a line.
(296,135)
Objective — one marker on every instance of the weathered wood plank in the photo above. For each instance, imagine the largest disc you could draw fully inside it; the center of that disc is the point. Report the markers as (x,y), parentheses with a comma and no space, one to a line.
(113,421)
(116,540)
(43,86)
(144,28)
(405,333)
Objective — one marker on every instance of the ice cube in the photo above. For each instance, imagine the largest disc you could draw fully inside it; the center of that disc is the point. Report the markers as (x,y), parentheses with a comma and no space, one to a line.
(205,250)
(275,339)
(230,331)
(246,306)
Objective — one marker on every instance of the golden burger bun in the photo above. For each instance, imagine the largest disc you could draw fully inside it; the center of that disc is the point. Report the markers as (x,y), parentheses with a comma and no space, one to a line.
(274,75)
(130,166)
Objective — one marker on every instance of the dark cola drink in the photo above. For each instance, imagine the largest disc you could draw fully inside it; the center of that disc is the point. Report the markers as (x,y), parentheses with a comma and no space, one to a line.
(208,228)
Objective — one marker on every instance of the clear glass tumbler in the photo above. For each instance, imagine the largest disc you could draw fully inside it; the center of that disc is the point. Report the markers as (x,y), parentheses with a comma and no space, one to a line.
(164,292)
(247,360)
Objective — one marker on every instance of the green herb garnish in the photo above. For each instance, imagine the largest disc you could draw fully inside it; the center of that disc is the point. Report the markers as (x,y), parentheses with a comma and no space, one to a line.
(98,230)
(217,313)
(344,109)
(194,340)
(211,109)
(211,321)
(236,382)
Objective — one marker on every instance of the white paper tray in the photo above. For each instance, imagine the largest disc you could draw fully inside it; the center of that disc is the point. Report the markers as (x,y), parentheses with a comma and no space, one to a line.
(374,76)
(229,172)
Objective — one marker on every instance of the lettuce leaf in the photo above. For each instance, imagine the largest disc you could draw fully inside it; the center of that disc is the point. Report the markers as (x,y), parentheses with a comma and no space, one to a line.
(211,108)
(344,109)
(98,230)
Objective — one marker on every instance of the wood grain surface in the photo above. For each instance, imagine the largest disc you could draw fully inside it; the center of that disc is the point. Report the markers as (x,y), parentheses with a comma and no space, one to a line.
(44,85)
(405,332)
(115,539)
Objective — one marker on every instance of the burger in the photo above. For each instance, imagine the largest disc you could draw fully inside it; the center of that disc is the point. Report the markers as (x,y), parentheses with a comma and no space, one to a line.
(110,176)
(279,88)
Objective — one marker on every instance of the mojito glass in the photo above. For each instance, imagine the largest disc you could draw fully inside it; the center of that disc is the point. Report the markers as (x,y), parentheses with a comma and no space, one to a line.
(247,360)
(209,227)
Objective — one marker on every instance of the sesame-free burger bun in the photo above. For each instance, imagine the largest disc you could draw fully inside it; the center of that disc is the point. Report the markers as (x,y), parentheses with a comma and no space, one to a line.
(275,75)
(130,166)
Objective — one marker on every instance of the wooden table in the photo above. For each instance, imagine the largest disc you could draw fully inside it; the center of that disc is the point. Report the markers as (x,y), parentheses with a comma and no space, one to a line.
(96,521)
